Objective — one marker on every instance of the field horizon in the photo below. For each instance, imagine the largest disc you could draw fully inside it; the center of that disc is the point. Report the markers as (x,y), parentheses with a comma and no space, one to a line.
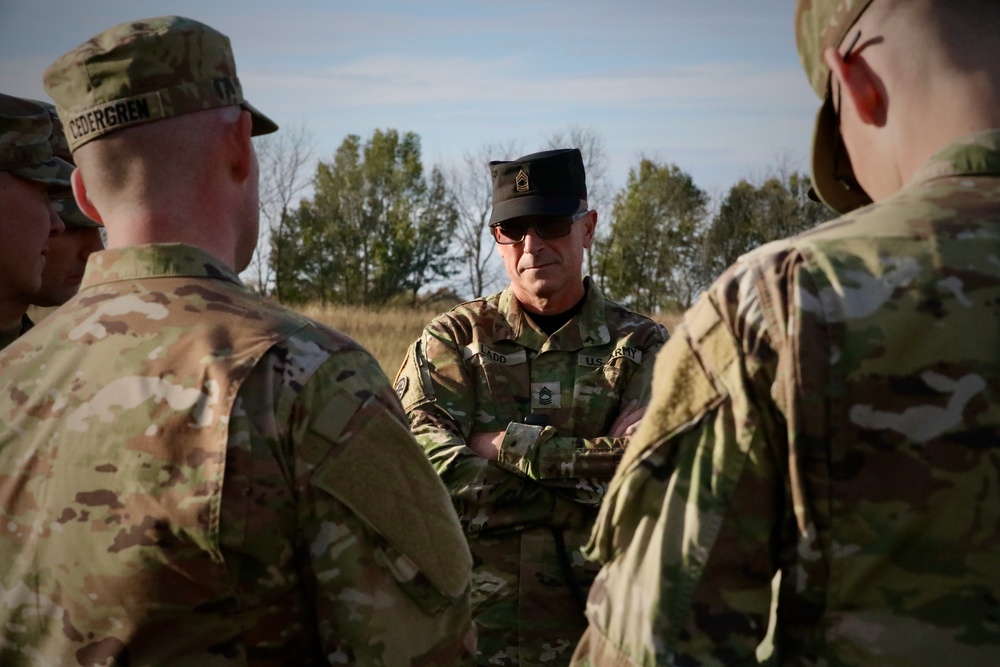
(385,332)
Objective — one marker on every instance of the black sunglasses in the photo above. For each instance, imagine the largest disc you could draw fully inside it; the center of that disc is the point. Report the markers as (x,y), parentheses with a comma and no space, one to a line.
(556,227)
(842,170)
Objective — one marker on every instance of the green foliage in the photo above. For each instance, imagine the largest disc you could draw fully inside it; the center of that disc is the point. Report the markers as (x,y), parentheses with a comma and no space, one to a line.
(375,228)
(751,215)
(378,230)
(650,260)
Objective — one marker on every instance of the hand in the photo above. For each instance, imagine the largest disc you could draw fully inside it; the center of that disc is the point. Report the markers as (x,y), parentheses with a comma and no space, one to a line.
(486,445)
(627,421)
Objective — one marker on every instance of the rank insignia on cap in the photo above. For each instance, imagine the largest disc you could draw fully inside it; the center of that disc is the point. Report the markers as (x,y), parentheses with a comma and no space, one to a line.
(521,181)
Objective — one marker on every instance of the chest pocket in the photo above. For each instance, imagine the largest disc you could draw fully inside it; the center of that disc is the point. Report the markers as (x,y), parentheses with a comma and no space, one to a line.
(502,385)
(600,381)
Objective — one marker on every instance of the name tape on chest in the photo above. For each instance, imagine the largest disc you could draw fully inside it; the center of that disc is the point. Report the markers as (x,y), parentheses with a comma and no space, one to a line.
(505,358)
(626,352)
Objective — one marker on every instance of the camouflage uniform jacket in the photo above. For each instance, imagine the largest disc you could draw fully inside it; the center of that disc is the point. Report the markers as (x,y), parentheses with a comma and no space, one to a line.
(829,410)
(192,475)
(484,367)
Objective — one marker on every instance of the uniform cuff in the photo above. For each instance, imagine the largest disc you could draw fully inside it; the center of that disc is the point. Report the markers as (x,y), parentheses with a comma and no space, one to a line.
(519,448)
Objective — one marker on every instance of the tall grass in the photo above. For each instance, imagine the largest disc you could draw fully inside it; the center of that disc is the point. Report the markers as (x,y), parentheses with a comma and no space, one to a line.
(388,332)
(385,332)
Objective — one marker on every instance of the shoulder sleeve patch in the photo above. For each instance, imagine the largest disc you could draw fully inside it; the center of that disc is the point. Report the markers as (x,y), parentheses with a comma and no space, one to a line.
(413,383)
(382,475)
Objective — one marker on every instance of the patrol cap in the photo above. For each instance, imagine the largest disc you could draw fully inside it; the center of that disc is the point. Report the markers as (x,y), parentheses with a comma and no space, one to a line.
(142,71)
(25,149)
(547,183)
(62,199)
(821,24)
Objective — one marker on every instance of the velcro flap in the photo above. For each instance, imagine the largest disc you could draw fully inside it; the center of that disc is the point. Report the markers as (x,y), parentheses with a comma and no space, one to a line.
(382,475)
(683,388)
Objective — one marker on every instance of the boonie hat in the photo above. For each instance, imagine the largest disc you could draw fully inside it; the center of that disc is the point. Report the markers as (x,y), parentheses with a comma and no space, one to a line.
(25,149)
(821,24)
(62,199)
(143,71)
(547,183)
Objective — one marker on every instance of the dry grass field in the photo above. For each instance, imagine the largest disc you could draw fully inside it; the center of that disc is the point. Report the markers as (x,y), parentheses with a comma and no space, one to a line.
(387,332)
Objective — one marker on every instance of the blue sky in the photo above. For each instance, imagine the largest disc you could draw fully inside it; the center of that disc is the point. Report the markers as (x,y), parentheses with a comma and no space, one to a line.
(713,86)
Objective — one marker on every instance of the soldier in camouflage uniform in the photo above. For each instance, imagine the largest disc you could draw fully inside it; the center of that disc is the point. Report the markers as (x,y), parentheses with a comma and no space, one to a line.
(830,408)
(68,250)
(523,402)
(192,475)
(27,171)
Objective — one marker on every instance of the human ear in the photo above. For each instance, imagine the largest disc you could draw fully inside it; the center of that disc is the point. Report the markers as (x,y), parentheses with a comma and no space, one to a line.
(589,225)
(82,198)
(858,85)
(240,145)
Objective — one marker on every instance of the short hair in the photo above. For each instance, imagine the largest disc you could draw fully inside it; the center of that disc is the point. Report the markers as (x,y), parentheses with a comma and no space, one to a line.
(165,151)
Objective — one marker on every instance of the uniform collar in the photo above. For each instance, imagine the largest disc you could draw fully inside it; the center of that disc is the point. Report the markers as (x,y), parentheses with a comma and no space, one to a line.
(158,260)
(975,154)
(588,329)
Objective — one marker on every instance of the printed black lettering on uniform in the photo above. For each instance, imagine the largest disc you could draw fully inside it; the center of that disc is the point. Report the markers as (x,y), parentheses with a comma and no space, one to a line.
(137,110)
(495,356)
(141,109)
(627,352)
(594,361)
(108,117)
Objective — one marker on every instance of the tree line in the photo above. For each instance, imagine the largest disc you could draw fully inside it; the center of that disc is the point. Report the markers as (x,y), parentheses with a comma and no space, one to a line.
(379,228)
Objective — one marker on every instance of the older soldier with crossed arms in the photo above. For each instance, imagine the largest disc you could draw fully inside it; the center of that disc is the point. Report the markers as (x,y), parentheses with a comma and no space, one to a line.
(191,474)
(28,171)
(830,408)
(524,401)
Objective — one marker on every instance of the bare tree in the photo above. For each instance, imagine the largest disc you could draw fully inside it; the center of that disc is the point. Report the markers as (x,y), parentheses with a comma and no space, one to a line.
(595,162)
(286,166)
(472,187)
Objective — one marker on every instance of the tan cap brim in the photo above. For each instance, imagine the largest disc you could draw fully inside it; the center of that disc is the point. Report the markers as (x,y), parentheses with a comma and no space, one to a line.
(54,173)
(261,123)
(832,191)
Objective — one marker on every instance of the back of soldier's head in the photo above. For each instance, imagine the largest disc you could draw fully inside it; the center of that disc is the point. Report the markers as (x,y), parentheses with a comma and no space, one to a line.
(143,71)
(914,47)
(116,88)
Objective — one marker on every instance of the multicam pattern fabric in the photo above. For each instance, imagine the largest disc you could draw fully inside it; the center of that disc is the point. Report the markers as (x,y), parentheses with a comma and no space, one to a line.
(819,25)
(829,410)
(25,151)
(194,476)
(484,367)
(146,70)
(62,200)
